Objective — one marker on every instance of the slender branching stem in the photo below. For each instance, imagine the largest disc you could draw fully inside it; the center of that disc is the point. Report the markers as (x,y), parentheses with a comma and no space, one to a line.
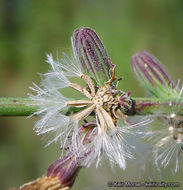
(143,106)
(17,107)
(146,106)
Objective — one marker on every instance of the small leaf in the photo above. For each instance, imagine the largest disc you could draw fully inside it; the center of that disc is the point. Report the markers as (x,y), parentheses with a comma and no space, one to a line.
(91,53)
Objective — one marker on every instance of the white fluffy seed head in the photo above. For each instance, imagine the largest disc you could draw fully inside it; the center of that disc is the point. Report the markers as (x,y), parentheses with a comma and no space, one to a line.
(55,78)
(166,135)
(112,144)
(61,69)
(70,66)
(55,126)
(47,100)
(60,129)
(168,154)
(167,141)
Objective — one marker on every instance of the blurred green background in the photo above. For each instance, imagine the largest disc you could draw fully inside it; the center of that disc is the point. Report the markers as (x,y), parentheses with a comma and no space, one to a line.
(30,29)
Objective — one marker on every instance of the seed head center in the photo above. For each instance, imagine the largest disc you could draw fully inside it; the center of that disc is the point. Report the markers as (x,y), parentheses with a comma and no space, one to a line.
(104,97)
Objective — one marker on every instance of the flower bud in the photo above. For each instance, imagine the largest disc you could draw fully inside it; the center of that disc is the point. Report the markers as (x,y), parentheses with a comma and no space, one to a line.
(91,53)
(67,168)
(151,74)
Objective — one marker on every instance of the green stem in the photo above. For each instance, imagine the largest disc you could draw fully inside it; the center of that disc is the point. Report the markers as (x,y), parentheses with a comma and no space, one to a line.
(145,106)
(23,107)
(17,107)
(26,106)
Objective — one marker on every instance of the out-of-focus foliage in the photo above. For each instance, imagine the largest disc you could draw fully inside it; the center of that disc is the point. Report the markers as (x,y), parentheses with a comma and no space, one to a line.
(29,29)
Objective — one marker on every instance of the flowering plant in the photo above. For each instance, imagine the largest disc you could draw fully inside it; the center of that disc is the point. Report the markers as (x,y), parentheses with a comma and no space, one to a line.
(88,128)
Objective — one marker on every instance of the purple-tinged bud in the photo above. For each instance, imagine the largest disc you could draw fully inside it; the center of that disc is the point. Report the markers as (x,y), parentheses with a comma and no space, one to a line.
(151,73)
(67,168)
(91,53)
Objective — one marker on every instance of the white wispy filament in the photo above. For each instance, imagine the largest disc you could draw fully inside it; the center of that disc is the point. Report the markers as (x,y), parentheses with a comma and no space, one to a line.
(53,124)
